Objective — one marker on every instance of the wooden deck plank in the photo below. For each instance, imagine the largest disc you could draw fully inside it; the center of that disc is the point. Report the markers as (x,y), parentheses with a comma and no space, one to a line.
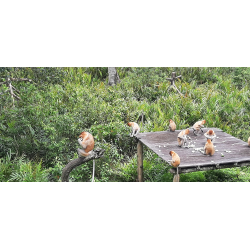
(164,141)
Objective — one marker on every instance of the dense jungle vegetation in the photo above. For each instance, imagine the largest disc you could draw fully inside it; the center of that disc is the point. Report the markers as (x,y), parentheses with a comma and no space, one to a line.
(38,136)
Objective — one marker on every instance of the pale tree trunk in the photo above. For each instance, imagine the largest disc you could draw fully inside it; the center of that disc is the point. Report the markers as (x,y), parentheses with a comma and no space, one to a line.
(113,76)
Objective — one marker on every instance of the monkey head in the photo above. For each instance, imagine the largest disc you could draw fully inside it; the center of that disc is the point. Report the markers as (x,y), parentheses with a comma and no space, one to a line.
(210,132)
(82,135)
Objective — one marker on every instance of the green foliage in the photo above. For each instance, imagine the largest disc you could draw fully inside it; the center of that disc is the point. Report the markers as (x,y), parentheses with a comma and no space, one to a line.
(241,76)
(60,103)
(21,170)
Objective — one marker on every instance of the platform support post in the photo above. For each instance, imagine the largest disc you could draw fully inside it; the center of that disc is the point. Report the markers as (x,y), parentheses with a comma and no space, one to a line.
(140,161)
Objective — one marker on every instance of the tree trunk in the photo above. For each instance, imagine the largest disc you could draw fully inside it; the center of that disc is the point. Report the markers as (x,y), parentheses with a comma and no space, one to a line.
(113,76)
(79,161)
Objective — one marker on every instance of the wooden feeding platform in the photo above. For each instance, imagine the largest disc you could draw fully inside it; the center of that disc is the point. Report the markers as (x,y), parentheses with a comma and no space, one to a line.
(230,151)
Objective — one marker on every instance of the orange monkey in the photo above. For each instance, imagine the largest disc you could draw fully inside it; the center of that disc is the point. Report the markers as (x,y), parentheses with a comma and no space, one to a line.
(210,135)
(209,148)
(197,126)
(86,140)
(182,137)
(172,125)
(175,162)
(135,128)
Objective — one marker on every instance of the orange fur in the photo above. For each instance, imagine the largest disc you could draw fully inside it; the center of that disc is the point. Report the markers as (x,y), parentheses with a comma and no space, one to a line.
(135,128)
(172,125)
(209,148)
(86,140)
(175,159)
(199,124)
(182,133)
(210,135)
(210,132)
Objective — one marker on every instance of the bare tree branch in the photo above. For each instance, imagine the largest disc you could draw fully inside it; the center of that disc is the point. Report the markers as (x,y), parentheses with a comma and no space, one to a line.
(11,91)
(97,153)
(172,84)
(17,97)
(11,88)
(15,89)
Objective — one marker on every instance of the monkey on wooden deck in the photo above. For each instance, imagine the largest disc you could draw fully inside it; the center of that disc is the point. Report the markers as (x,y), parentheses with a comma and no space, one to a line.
(209,148)
(172,125)
(210,135)
(135,128)
(175,162)
(182,137)
(197,127)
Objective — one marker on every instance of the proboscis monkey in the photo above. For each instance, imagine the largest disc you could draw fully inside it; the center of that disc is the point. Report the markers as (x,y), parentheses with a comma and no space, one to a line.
(209,148)
(86,141)
(135,128)
(172,125)
(175,162)
(210,135)
(182,137)
(248,141)
(198,126)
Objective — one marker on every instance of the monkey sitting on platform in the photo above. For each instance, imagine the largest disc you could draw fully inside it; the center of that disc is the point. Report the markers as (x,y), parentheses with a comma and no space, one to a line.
(175,163)
(172,125)
(135,128)
(210,135)
(182,137)
(209,148)
(198,127)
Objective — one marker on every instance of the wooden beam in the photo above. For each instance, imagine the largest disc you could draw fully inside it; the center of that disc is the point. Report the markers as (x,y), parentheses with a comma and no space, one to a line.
(206,168)
(140,161)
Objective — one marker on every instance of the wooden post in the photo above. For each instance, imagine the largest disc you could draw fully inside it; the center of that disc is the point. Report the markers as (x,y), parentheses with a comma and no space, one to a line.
(140,161)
